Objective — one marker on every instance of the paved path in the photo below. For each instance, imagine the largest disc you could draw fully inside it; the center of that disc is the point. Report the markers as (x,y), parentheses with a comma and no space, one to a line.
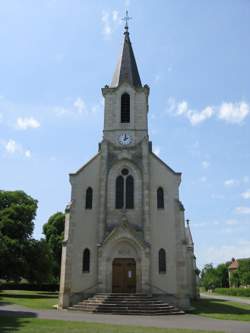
(178,321)
(227,298)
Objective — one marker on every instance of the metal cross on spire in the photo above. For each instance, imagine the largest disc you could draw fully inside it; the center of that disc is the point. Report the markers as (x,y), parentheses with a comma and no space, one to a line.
(126,18)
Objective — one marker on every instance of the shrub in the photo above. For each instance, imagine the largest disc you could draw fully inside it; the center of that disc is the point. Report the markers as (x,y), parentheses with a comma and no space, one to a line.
(29,286)
(245,292)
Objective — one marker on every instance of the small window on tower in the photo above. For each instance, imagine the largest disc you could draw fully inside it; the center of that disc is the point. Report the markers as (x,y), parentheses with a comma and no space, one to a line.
(89,198)
(86,261)
(125,108)
(162,261)
(160,198)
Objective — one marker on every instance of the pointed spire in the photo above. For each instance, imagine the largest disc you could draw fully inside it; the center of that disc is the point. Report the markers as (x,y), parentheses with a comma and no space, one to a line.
(126,69)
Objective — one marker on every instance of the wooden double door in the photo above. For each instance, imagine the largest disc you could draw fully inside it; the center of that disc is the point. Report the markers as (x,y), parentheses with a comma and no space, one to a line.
(124,275)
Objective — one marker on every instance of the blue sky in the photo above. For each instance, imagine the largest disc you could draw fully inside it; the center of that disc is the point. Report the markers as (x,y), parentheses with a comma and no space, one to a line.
(57,55)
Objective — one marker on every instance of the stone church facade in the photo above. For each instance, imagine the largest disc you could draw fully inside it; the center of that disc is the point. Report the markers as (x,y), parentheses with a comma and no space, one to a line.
(124,228)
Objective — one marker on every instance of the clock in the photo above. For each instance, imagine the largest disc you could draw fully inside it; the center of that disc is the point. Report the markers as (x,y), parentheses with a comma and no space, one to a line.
(125,139)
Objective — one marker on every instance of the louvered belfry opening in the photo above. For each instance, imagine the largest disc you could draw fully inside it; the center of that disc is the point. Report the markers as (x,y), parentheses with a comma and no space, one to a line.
(125,108)
(124,190)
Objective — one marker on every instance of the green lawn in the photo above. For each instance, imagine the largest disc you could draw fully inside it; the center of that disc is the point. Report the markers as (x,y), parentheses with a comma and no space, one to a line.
(30,299)
(32,325)
(221,309)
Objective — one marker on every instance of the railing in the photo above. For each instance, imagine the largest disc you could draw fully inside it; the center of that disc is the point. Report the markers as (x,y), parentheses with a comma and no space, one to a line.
(161,290)
(85,290)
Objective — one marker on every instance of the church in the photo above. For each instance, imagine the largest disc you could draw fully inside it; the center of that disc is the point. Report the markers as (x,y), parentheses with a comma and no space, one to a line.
(125,228)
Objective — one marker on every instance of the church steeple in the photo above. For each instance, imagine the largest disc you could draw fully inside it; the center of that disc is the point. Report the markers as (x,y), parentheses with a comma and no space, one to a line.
(126,69)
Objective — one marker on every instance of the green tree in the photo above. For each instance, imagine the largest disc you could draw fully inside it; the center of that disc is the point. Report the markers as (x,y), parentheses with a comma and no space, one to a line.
(38,261)
(244,271)
(222,274)
(235,279)
(54,233)
(17,213)
(209,277)
(245,279)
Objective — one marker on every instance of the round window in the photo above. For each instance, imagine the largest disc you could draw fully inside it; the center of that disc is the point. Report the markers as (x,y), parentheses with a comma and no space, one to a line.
(125,172)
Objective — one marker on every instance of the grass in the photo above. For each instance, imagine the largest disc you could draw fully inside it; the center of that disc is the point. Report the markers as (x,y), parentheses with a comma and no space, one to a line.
(30,299)
(32,325)
(221,309)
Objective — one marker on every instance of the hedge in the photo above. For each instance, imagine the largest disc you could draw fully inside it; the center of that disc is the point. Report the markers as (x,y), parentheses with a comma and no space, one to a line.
(233,291)
(29,286)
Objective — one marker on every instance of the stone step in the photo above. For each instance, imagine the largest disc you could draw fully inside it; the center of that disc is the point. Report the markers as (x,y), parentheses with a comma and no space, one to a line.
(137,304)
(122,302)
(111,306)
(132,312)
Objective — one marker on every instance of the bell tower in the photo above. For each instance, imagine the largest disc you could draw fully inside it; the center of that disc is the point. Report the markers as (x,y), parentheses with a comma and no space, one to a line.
(126,101)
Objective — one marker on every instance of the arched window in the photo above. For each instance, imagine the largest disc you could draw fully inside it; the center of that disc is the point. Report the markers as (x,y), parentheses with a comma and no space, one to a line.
(89,198)
(119,197)
(124,197)
(130,192)
(162,261)
(160,198)
(86,261)
(125,108)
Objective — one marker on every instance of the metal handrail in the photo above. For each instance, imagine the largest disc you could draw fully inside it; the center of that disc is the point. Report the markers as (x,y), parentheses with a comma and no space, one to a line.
(83,291)
(164,291)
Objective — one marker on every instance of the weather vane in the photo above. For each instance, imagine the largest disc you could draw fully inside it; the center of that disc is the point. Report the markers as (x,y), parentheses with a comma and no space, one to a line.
(126,19)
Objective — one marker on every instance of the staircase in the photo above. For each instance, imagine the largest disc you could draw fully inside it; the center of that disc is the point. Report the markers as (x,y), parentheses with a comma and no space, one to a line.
(128,304)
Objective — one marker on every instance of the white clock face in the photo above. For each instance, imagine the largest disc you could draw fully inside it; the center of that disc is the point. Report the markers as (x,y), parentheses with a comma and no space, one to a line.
(125,139)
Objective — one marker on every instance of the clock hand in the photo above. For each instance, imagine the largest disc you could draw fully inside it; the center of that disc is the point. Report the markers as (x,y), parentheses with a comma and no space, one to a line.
(125,137)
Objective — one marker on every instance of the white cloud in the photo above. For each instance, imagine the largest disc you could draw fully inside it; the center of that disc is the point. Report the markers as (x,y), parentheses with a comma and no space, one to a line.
(242,210)
(233,113)
(231,182)
(80,105)
(182,109)
(198,117)
(205,164)
(28,122)
(27,153)
(78,108)
(110,20)
(231,222)
(223,253)
(246,194)
(11,147)
(156,150)
(106,29)
(115,15)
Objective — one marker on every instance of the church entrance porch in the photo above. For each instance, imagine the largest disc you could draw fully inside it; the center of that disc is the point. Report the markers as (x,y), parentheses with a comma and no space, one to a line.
(124,275)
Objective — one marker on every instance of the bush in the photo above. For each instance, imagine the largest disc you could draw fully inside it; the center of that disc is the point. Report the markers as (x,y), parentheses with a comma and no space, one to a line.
(233,291)
(29,286)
